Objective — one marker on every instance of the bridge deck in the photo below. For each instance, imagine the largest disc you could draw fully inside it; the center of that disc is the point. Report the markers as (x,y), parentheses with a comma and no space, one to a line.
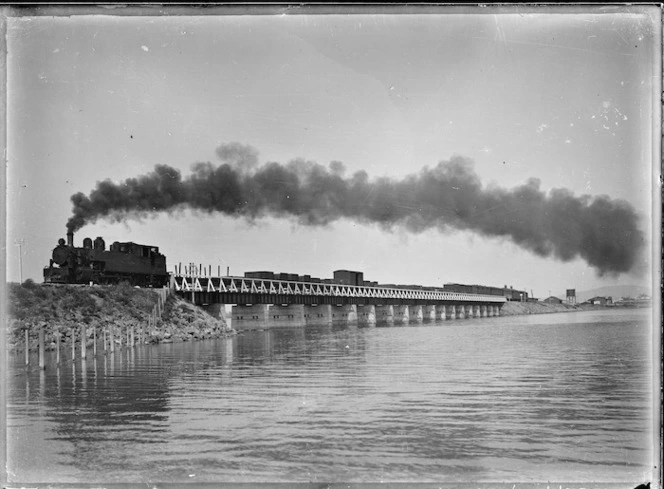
(228,288)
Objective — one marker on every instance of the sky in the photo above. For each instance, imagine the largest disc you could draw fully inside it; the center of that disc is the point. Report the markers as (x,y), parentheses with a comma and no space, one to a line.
(566,97)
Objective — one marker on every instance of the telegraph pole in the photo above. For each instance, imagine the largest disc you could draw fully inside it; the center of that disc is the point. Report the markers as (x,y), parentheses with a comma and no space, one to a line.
(19,243)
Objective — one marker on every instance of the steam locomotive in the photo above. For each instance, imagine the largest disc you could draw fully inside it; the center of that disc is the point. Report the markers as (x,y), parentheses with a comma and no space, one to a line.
(124,262)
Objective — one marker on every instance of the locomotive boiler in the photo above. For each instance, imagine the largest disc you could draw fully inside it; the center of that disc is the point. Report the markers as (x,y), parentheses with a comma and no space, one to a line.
(137,264)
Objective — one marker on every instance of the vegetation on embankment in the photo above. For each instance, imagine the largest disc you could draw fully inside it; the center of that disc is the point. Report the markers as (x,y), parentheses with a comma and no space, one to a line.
(519,308)
(61,308)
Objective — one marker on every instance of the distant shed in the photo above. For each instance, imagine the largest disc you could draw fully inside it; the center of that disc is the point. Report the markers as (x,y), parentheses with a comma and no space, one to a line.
(601,301)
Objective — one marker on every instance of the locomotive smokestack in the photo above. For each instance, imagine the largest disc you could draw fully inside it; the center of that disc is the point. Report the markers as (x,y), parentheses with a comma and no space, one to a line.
(70,238)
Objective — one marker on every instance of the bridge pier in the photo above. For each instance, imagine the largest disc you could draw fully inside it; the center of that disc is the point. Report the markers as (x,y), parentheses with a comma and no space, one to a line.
(253,316)
(385,314)
(401,314)
(258,316)
(320,314)
(366,315)
(415,314)
(289,315)
(344,314)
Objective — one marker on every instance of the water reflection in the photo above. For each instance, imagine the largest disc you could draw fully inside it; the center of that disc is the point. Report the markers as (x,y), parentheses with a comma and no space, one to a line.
(497,399)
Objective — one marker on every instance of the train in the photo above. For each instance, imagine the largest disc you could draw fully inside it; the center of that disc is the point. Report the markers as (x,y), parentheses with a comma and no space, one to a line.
(144,266)
(349,277)
(509,293)
(136,264)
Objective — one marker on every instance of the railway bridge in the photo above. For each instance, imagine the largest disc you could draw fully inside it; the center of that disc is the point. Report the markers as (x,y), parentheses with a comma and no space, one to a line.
(261,303)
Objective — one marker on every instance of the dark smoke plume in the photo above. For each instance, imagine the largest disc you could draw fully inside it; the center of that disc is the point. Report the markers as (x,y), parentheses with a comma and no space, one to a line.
(602,231)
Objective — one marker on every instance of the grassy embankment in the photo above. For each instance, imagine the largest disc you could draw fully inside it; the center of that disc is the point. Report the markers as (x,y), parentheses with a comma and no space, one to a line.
(61,308)
(520,308)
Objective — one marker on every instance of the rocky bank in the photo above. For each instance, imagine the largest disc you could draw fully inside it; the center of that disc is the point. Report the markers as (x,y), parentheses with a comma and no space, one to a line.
(63,308)
(521,308)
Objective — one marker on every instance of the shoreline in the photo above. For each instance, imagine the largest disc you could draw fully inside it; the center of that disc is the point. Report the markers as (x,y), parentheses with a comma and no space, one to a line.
(525,308)
(64,310)
(121,313)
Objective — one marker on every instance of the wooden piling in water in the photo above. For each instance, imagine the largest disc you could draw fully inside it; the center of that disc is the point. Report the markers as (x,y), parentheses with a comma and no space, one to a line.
(94,342)
(73,344)
(104,334)
(57,347)
(111,340)
(132,337)
(42,363)
(84,341)
(27,346)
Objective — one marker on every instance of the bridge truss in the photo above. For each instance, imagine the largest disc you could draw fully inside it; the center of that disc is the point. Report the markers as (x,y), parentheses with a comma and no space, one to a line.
(242,290)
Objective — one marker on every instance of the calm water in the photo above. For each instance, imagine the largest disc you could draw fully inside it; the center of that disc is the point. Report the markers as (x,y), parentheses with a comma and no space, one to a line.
(561,397)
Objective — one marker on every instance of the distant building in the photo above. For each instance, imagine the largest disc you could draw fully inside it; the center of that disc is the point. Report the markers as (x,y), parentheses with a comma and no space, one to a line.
(553,300)
(571,296)
(643,300)
(601,301)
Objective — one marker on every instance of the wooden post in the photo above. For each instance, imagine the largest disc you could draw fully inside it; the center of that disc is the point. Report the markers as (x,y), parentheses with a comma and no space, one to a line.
(132,336)
(111,339)
(84,341)
(42,363)
(104,332)
(27,346)
(94,342)
(73,344)
(57,347)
